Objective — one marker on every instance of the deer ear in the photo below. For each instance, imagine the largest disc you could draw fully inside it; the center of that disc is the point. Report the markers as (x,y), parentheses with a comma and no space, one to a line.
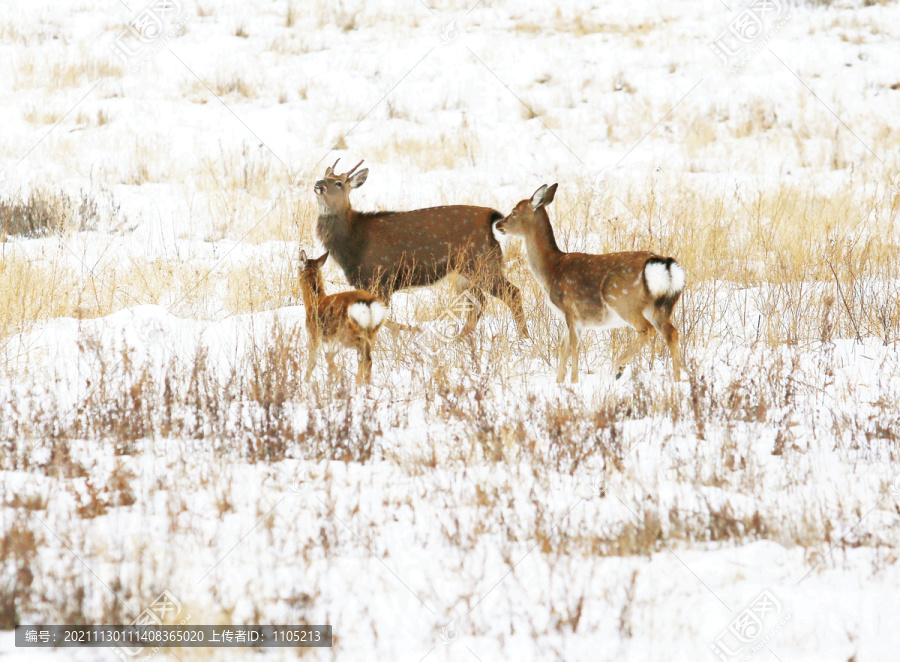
(537,200)
(303,259)
(551,193)
(359,178)
(321,260)
(543,196)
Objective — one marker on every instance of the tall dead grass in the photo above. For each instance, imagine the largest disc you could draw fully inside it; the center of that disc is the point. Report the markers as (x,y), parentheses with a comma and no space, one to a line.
(798,266)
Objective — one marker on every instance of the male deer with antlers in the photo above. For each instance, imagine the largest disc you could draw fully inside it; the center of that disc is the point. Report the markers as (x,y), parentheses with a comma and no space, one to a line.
(347,319)
(386,251)
(636,289)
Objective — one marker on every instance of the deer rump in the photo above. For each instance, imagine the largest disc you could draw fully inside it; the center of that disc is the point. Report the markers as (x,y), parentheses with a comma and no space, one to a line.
(387,251)
(612,304)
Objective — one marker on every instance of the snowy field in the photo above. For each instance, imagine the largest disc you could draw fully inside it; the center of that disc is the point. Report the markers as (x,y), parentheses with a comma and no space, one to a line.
(157,435)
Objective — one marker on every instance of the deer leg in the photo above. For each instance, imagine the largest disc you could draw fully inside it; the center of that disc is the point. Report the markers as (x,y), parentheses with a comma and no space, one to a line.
(313,356)
(568,350)
(659,318)
(364,371)
(332,368)
(512,297)
(361,368)
(574,342)
(563,360)
(668,331)
(634,348)
(474,312)
(465,290)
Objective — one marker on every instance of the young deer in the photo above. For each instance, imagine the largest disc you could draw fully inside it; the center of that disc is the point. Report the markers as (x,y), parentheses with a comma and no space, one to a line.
(386,251)
(348,319)
(637,289)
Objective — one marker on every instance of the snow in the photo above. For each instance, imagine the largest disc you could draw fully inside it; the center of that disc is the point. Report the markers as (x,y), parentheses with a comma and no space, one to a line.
(485,523)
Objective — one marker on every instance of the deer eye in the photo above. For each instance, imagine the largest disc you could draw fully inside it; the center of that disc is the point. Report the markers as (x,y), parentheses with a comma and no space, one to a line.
(338,184)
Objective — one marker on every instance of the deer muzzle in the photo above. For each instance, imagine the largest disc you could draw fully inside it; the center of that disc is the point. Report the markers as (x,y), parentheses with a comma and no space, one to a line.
(319,188)
(500,226)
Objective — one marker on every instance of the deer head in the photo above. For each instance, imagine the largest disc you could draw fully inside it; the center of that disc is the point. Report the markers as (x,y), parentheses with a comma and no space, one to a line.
(311,271)
(522,217)
(333,191)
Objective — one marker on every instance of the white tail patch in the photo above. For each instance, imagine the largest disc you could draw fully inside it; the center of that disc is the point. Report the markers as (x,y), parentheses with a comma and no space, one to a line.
(663,279)
(367,315)
(678,278)
(379,312)
(359,312)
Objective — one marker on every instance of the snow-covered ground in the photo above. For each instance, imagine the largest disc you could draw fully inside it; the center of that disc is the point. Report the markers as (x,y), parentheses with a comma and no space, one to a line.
(157,435)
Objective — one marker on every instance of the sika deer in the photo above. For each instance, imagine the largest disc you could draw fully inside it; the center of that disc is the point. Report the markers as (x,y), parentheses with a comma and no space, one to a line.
(637,289)
(386,251)
(348,319)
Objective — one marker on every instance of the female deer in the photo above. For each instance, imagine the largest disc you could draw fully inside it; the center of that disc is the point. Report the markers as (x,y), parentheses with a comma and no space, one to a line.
(636,289)
(348,319)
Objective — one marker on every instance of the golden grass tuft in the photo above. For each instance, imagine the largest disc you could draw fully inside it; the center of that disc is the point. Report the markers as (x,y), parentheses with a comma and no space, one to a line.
(74,71)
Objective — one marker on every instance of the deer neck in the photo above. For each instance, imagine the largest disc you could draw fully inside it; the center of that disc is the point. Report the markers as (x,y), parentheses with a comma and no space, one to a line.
(541,249)
(334,224)
(337,230)
(313,293)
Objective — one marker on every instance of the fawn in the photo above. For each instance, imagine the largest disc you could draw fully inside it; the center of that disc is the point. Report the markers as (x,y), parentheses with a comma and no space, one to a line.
(636,289)
(347,319)
(386,251)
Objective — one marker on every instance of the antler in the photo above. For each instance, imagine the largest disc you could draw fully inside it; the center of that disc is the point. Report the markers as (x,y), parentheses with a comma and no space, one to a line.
(353,169)
(329,171)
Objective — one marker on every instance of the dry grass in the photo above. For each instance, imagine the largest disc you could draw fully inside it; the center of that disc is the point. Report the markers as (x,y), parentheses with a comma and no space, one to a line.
(429,153)
(232,84)
(40,71)
(41,114)
(250,410)
(819,256)
(482,411)
(472,437)
(149,163)
(86,119)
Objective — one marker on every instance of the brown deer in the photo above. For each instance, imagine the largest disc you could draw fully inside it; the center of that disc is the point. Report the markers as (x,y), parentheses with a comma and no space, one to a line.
(347,319)
(636,289)
(387,250)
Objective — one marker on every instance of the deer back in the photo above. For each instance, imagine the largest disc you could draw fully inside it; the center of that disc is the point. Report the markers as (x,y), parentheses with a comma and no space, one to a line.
(416,248)
(587,286)
(388,250)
